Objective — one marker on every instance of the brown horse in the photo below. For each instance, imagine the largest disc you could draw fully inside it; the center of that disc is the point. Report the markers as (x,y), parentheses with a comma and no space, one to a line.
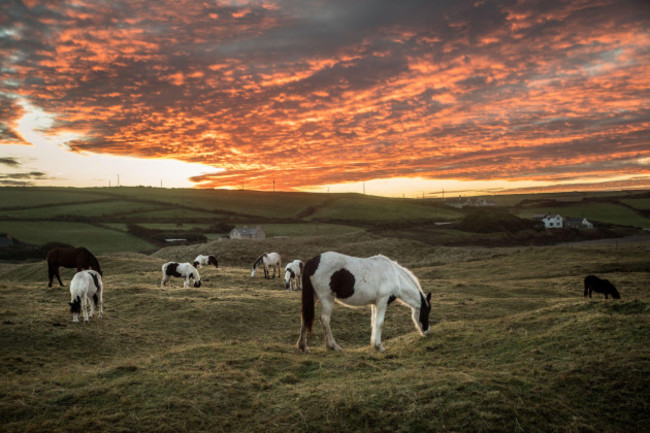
(70,257)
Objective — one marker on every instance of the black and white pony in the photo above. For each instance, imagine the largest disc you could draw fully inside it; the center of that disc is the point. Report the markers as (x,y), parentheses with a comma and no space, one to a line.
(355,282)
(267,260)
(595,284)
(86,284)
(180,270)
(293,275)
(202,260)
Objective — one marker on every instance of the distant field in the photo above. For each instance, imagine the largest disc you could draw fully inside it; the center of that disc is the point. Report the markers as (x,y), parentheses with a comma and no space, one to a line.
(266,204)
(107,208)
(98,240)
(513,346)
(366,208)
(34,196)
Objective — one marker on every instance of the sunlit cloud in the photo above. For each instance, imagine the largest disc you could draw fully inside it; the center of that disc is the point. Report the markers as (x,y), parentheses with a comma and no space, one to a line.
(334,95)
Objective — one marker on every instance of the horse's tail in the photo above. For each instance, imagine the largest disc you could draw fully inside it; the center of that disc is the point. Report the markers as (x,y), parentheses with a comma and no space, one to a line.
(94,263)
(308,293)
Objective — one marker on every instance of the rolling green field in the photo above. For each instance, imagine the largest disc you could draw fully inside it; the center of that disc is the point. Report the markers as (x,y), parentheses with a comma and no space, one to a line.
(100,217)
(513,346)
(103,240)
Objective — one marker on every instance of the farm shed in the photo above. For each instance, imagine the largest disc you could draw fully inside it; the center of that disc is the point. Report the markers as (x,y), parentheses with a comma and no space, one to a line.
(578,223)
(247,233)
(550,221)
(6,240)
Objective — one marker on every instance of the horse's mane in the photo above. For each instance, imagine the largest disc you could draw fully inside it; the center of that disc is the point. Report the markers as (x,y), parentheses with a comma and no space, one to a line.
(259,260)
(403,272)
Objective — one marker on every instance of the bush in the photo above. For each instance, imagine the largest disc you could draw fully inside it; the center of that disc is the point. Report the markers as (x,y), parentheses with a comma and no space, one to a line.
(495,221)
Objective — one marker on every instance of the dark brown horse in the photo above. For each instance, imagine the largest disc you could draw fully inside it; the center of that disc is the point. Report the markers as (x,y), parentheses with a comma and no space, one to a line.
(70,257)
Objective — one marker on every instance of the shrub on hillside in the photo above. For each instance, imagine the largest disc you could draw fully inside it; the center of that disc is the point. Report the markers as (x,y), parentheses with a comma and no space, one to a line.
(494,221)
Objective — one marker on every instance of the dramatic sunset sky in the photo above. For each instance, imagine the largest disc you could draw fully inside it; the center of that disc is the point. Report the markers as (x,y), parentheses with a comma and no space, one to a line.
(397,97)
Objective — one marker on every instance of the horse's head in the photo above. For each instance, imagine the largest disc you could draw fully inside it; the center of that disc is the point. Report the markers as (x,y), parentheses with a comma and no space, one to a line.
(75,306)
(609,287)
(197,283)
(288,276)
(212,260)
(254,269)
(422,322)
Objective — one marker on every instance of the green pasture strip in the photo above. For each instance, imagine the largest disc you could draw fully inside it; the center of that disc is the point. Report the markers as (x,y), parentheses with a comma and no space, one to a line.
(521,352)
(638,203)
(601,212)
(174,226)
(96,239)
(174,213)
(101,209)
(369,208)
(267,204)
(123,227)
(11,197)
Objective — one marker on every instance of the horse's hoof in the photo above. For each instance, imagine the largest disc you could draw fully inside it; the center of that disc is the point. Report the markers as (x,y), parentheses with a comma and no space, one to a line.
(380,348)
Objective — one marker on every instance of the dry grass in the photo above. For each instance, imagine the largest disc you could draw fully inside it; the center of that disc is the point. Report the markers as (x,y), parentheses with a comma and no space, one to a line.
(513,347)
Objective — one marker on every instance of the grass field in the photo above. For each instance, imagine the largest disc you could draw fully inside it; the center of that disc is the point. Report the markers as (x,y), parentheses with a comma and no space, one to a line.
(103,240)
(513,346)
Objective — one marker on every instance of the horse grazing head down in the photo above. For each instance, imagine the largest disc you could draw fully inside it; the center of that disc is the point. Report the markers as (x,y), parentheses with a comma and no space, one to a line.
(599,285)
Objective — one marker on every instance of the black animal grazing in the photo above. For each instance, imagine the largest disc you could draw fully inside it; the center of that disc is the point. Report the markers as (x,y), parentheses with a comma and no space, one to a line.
(598,285)
(70,257)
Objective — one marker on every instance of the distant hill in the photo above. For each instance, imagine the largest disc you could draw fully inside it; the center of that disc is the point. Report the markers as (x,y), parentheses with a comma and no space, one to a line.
(141,218)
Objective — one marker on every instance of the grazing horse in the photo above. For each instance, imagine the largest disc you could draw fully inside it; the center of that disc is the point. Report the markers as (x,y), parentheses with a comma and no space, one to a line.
(180,270)
(293,274)
(595,284)
(85,284)
(355,282)
(70,257)
(267,259)
(201,261)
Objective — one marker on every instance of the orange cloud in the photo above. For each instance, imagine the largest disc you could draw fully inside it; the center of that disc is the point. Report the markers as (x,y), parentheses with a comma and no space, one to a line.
(313,95)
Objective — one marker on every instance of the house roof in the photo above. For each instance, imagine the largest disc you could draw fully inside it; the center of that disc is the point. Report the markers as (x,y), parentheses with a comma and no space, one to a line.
(246,231)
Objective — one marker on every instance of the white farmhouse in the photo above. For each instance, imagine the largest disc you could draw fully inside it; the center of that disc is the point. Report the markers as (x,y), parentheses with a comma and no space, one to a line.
(550,221)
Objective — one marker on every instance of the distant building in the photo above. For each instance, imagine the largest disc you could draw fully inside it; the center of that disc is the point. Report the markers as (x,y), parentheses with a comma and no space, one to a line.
(550,221)
(578,223)
(469,202)
(6,240)
(247,233)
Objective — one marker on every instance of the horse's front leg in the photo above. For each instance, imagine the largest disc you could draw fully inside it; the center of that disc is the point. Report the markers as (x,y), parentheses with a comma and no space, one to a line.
(377,321)
(326,312)
(84,307)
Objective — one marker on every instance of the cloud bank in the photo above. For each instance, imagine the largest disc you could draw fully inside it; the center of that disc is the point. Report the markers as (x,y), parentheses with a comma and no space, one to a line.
(317,93)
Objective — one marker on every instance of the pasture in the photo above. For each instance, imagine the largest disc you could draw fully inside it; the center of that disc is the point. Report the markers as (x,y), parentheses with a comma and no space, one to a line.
(513,345)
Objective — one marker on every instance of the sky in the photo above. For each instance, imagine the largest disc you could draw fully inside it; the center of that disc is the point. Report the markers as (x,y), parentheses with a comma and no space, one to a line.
(402,98)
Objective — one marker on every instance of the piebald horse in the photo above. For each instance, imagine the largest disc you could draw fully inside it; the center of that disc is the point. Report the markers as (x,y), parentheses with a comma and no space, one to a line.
(267,259)
(86,284)
(180,270)
(202,260)
(293,275)
(355,282)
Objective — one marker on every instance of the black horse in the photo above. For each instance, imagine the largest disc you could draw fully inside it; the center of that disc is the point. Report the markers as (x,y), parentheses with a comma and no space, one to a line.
(70,257)
(595,284)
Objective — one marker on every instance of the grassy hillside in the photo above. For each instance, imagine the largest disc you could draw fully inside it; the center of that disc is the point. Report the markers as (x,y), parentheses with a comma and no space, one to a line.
(513,346)
(103,219)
